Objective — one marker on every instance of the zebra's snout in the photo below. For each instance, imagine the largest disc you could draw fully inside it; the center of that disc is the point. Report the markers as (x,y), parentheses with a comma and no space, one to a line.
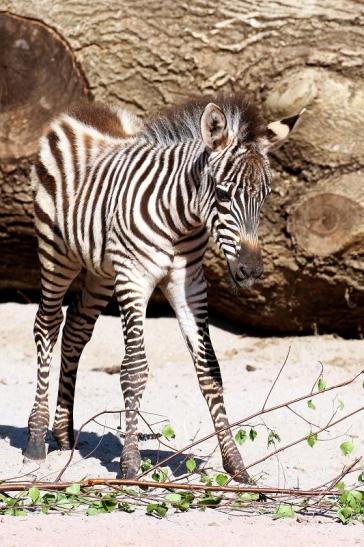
(248,265)
(252,270)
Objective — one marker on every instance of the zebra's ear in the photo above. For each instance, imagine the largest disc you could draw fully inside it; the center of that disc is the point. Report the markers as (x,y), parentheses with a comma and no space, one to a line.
(279,131)
(214,130)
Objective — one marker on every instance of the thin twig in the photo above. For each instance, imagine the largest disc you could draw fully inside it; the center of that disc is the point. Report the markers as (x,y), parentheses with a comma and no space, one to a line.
(302,417)
(61,473)
(285,447)
(318,377)
(277,378)
(347,469)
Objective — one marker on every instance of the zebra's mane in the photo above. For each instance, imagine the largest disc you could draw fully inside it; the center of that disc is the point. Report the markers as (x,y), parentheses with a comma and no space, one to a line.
(182,123)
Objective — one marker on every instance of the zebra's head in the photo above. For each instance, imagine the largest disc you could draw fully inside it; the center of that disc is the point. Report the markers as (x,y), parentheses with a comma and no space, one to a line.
(239,180)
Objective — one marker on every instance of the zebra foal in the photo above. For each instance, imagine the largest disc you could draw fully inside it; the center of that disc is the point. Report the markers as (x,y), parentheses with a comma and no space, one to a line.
(134,206)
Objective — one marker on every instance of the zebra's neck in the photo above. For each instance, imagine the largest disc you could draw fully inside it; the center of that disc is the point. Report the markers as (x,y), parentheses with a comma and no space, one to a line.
(166,186)
(160,207)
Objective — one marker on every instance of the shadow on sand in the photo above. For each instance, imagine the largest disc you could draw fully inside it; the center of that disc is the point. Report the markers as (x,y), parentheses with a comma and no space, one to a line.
(105,448)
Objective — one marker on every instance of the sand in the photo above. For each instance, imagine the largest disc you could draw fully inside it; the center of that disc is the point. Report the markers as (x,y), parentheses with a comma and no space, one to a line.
(173,393)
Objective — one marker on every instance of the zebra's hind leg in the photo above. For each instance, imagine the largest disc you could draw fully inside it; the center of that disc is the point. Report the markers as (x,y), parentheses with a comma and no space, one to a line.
(189,300)
(80,321)
(56,276)
(132,290)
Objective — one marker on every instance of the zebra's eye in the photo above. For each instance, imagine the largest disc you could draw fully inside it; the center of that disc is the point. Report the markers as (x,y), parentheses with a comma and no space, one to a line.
(221,194)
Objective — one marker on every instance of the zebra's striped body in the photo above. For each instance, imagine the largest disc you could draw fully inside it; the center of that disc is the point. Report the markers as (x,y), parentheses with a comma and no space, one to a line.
(134,207)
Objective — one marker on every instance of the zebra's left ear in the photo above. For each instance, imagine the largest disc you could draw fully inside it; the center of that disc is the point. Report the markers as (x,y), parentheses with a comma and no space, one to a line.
(279,131)
(214,130)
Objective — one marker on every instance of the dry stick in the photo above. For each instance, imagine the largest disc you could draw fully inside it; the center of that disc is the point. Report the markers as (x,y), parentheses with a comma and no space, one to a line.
(277,378)
(21,486)
(60,474)
(17,477)
(93,418)
(24,296)
(347,469)
(302,417)
(251,417)
(334,481)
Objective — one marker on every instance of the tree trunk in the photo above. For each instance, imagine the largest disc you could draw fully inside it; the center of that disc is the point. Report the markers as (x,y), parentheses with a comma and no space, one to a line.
(148,54)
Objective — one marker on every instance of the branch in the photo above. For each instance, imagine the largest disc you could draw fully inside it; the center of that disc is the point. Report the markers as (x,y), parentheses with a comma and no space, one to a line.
(251,417)
(22,486)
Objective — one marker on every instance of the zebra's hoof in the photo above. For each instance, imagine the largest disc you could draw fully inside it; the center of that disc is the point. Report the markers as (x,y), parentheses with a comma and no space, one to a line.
(237,471)
(35,450)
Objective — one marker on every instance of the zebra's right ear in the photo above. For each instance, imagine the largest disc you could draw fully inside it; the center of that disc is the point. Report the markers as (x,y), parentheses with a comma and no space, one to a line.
(279,131)
(214,130)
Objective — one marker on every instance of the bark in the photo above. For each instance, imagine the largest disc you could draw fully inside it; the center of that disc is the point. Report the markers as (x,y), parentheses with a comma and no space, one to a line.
(148,54)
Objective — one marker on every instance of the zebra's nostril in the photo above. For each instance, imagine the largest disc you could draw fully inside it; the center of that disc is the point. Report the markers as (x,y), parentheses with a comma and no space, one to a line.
(247,270)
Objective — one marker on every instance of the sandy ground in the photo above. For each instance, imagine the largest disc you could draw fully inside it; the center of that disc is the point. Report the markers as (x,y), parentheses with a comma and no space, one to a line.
(173,393)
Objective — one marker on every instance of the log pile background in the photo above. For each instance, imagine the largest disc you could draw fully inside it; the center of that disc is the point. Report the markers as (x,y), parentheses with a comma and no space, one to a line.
(145,55)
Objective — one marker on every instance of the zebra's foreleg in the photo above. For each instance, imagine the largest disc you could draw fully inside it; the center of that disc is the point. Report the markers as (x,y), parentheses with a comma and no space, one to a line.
(189,300)
(132,290)
(80,321)
(46,327)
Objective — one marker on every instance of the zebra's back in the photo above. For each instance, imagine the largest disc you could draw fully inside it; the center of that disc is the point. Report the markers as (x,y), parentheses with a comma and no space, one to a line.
(74,178)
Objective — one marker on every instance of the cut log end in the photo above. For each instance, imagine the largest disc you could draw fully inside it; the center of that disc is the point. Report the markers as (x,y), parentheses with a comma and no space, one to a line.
(326,223)
(38,79)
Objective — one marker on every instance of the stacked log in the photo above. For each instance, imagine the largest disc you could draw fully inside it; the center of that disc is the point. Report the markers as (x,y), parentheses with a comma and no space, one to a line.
(147,55)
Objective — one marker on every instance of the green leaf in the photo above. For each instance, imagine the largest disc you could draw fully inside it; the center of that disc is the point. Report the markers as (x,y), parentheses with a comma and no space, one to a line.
(34,494)
(126,507)
(66,503)
(50,498)
(92,511)
(109,505)
(188,497)
(252,434)
(312,439)
(191,465)
(15,512)
(284,511)
(311,405)
(168,432)
(361,477)
(273,437)
(160,475)
(221,479)
(340,485)
(183,506)
(241,437)
(248,496)
(173,498)
(321,384)
(145,465)
(157,508)
(206,479)
(209,499)
(73,489)
(345,514)
(97,507)
(347,447)
(340,404)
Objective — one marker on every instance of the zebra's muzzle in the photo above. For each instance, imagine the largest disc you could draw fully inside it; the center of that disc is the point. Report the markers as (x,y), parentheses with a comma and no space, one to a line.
(247,266)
